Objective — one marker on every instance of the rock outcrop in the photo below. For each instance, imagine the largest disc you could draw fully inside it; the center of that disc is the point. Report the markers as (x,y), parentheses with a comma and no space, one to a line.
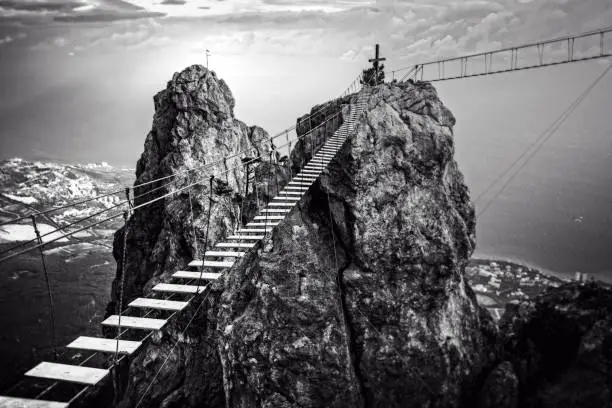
(193,130)
(357,299)
(558,350)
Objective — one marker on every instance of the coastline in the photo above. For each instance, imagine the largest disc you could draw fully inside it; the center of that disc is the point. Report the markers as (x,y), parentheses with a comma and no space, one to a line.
(521,263)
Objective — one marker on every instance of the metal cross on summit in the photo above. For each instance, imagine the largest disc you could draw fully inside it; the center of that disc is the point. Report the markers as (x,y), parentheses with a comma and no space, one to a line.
(375,60)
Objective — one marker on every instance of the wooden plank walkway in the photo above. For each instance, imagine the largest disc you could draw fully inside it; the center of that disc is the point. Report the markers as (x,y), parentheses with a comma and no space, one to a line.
(10,402)
(68,373)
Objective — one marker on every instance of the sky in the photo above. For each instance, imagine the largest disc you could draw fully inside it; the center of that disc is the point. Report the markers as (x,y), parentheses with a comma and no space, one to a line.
(78,76)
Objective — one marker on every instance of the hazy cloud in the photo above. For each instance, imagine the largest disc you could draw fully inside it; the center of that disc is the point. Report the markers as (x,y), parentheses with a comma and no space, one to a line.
(28,5)
(106,16)
(45,11)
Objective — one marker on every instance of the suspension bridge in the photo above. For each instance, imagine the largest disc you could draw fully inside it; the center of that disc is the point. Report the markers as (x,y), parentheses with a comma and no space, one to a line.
(136,323)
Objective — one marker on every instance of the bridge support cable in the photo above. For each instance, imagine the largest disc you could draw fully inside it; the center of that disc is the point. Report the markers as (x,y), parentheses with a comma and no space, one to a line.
(542,139)
(49,291)
(126,232)
(63,207)
(507,59)
(210,205)
(193,227)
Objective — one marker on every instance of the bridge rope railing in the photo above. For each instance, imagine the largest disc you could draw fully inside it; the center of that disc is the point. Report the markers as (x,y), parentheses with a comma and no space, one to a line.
(169,353)
(536,145)
(141,205)
(310,133)
(352,88)
(536,50)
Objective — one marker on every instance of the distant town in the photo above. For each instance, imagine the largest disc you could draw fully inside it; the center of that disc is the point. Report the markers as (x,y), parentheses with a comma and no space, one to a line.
(497,283)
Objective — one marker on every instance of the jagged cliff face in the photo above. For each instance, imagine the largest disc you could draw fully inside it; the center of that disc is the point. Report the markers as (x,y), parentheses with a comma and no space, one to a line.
(193,129)
(359,297)
(356,300)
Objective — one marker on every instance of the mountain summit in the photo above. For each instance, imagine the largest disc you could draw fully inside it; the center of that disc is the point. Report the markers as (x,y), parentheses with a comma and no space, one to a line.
(358,298)
(368,309)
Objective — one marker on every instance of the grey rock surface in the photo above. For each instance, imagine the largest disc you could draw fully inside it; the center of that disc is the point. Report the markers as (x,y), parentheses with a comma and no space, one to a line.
(357,299)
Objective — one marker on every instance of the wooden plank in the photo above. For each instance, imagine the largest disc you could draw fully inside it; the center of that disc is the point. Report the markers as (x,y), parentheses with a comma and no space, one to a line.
(286,199)
(276,210)
(235,245)
(173,288)
(12,402)
(196,275)
(269,217)
(300,183)
(263,224)
(135,322)
(218,264)
(226,254)
(104,345)
(159,304)
(255,230)
(288,193)
(68,373)
(211,264)
(296,188)
(246,237)
(289,205)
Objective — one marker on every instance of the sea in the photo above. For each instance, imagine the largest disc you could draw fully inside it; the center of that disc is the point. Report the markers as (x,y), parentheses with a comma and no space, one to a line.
(543,198)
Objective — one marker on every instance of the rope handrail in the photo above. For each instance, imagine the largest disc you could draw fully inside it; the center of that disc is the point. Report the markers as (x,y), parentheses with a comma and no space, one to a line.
(63,207)
(64,235)
(599,31)
(115,192)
